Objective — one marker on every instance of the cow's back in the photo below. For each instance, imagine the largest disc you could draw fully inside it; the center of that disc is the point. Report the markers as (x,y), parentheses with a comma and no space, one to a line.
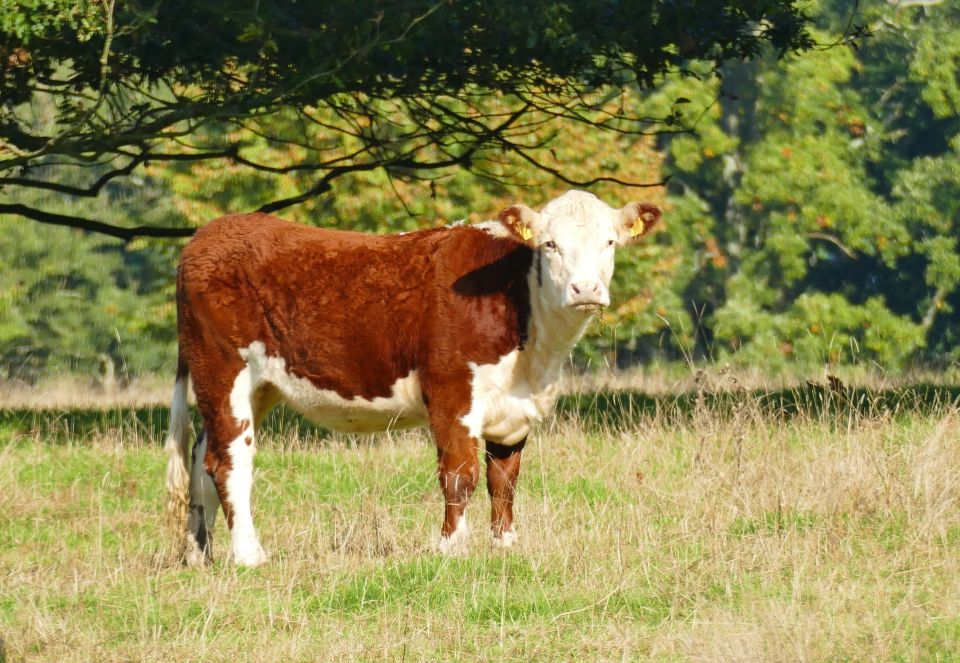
(349,312)
(340,309)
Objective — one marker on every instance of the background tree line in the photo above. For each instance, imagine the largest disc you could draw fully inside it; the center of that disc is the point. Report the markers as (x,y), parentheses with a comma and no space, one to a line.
(809,213)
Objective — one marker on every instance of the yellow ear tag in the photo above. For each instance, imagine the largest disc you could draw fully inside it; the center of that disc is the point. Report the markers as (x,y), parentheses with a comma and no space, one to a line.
(637,227)
(525,233)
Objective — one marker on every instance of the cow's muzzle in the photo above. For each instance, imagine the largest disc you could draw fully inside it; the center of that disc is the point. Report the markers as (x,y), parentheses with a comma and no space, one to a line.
(587,295)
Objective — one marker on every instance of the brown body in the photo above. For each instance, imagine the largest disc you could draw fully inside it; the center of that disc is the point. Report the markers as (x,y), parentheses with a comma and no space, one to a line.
(353,314)
(348,311)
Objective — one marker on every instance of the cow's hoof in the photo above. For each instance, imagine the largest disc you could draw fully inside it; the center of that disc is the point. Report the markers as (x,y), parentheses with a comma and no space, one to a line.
(254,556)
(506,539)
(456,542)
(193,555)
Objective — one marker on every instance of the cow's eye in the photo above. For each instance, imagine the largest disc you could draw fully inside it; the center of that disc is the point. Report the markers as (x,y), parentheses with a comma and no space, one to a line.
(550,246)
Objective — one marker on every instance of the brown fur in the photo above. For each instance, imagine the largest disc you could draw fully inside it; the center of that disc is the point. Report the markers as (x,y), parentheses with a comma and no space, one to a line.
(353,313)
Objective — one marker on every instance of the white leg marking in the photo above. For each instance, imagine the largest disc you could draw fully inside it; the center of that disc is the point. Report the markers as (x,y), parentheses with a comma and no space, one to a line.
(243,535)
(505,540)
(456,543)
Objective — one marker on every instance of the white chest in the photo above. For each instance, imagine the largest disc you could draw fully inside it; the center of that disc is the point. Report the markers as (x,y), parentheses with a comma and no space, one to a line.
(507,400)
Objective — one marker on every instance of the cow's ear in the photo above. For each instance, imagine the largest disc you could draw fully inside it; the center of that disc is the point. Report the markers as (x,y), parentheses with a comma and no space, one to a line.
(521,221)
(636,220)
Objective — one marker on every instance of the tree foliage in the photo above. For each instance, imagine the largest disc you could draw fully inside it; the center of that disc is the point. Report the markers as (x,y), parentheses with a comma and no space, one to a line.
(72,302)
(825,190)
(106,88)
(811,216)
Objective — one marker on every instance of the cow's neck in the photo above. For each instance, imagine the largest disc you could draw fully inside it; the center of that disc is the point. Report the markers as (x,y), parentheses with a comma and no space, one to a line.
(551,336)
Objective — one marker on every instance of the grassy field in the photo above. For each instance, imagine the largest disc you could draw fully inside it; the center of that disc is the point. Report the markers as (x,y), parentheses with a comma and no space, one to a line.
(711,525)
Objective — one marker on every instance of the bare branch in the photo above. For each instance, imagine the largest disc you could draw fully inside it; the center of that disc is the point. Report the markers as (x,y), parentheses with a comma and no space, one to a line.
(126,234)
(318,189)
(91,192)
(833,240)
(135,160)
(522,153)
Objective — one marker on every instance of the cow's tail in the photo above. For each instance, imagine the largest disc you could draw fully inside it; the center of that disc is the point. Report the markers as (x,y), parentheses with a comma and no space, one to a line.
(178,450)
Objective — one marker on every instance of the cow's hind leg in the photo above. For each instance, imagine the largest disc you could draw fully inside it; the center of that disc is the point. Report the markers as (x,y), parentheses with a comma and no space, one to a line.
(503,468)
(231,447)
(204,503)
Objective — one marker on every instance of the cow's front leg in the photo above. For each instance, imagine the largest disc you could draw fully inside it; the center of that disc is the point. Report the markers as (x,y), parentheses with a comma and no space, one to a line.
(459,469)
(503,467)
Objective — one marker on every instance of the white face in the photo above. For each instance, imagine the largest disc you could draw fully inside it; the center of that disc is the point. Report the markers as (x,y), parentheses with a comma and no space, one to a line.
(576,236)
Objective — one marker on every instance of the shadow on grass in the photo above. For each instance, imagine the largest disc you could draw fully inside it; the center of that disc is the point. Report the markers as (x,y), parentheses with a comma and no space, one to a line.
(614,409)
(621,408)
(147,424)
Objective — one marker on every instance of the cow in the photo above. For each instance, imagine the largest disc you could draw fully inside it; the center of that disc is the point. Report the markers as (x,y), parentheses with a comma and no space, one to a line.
(463,329)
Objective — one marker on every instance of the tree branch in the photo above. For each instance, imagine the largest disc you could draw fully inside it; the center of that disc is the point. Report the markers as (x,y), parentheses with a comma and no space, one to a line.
(833,240)
(931,315)
(319,188)
(126,234)
(135,160)
(91,192)
(519,151)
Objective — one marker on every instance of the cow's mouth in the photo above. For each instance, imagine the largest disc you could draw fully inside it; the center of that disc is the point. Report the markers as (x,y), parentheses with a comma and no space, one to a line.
(588,308)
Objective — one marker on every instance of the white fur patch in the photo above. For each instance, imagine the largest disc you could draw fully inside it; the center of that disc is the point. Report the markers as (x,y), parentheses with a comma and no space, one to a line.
(456,543)
(504,405)
(505,540)
(243,536)
(495,228)
(403,408)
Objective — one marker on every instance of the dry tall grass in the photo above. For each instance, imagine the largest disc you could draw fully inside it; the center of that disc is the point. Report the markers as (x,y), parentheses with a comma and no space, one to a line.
(700,535)
(72,391)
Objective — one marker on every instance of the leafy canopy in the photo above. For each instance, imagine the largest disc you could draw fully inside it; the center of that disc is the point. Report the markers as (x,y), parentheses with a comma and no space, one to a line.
(101,88)
(820,197)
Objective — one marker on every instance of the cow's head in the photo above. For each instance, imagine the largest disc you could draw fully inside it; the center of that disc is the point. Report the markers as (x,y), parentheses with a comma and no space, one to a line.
(576,235)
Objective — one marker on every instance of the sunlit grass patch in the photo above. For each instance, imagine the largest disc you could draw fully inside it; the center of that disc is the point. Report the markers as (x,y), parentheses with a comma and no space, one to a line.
(703,530)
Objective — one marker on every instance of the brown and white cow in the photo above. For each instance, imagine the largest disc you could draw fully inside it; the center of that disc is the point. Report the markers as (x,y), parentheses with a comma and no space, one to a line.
(463,329)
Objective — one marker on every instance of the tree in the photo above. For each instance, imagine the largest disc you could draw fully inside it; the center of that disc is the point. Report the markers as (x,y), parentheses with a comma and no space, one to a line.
(920,111)
(69,302)
(93,90)
(824,192)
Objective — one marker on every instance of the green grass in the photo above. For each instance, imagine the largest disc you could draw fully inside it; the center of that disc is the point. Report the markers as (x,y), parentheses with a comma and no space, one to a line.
(712,526)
